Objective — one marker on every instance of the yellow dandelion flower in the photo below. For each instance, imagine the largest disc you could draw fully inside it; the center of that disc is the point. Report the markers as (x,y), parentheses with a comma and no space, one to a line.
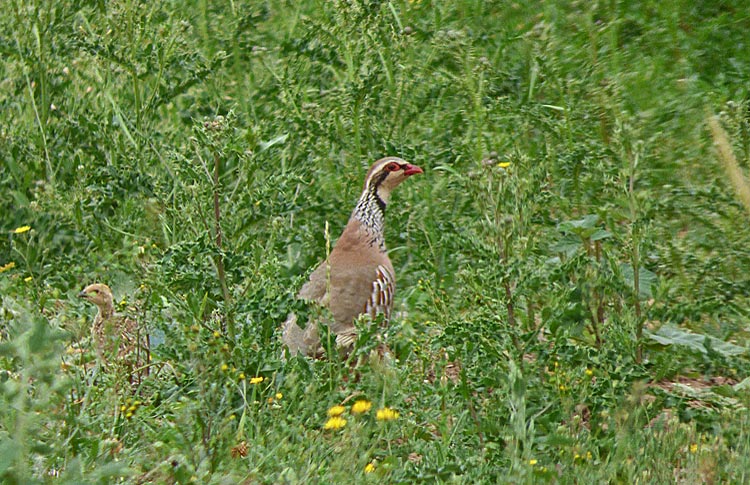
(131,408)
(217,334)
(369,468)
(361,406)
(694,448)
(336,411)
(336,422)
(21,230)
(7,266)
(562,387)
(533,462)
(256,380)
(588,455)
(242,376)
(28,278)
(279,395)
(232,416)
(224,367)
(123,408)
(386,414)
(589,372)
(129,415)
(503,164)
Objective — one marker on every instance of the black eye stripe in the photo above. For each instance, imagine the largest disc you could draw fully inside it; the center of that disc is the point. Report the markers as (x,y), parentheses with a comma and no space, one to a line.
(379,179)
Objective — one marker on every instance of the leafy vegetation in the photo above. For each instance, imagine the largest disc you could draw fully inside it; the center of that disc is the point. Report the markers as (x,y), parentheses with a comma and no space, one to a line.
(573,265)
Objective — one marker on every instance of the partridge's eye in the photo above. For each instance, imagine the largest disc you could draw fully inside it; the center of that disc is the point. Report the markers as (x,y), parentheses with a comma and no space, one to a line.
(393,167)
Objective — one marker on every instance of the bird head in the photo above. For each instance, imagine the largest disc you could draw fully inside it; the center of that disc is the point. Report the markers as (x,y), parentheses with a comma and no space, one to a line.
(385,174)
(99,294)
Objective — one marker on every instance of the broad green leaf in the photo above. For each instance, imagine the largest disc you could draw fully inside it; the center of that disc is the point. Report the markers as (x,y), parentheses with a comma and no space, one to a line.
(671,335)
(743,385)
(600,234)
(10,450)
(647,279)
(579,226)
(568,244)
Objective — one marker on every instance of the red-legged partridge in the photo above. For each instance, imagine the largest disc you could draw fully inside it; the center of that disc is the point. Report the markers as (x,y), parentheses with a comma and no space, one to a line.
(116,338)
(357,277)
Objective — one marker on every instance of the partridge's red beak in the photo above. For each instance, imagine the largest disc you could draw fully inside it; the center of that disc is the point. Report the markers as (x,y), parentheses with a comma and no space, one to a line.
(412,169)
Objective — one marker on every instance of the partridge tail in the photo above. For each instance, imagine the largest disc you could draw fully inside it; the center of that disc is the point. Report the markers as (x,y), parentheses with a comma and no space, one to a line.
(298,340)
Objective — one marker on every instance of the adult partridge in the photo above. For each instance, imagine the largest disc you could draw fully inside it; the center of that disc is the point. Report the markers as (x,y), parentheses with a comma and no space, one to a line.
(357,277)
(116,338)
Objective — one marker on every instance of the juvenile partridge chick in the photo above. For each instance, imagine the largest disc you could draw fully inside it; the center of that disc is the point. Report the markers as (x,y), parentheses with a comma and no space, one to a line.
(358,277)
(116,338)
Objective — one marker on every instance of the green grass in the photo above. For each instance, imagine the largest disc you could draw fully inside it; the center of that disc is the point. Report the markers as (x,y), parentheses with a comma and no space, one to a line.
(580,315)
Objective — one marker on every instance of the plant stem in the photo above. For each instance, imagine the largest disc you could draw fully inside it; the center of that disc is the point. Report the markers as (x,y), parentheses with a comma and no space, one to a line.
(220,256)
(635,255)
(636,297)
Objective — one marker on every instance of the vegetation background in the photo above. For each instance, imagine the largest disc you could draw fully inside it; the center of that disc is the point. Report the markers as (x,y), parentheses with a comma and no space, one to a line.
(574,273)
